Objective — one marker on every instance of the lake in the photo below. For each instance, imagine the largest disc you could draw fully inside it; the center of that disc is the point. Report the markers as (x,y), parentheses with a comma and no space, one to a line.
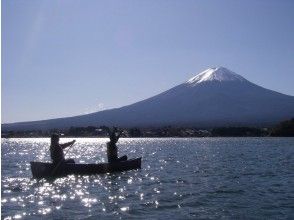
(188,178)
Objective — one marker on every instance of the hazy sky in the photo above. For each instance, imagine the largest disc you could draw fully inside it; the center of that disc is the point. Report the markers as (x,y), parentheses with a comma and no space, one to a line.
(65,58)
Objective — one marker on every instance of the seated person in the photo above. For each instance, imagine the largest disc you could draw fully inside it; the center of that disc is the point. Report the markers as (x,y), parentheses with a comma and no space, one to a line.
(112,148)
(56,150)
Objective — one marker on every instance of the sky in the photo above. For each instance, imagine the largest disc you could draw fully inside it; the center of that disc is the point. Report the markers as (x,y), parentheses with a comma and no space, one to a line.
(72,57)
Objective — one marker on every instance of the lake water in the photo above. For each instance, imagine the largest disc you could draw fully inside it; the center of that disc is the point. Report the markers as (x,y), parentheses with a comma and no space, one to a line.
(193,178)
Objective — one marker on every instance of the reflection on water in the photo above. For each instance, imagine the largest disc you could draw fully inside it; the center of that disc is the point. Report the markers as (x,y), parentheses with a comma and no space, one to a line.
(187,178)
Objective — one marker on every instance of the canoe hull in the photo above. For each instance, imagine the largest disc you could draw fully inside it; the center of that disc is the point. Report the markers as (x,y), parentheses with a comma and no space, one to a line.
(45,170)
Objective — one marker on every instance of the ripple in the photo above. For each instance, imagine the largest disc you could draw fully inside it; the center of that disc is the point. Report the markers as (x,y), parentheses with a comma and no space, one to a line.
(189,178)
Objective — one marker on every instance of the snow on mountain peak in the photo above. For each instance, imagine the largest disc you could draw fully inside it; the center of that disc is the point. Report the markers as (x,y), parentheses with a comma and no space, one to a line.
(215,74)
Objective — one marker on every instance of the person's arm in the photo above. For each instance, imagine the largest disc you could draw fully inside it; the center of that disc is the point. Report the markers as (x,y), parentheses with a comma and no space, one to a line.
(108,131)
(65,145)
(119,134)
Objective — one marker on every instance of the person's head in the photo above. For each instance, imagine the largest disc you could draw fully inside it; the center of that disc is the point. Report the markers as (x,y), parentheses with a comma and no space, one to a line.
(54,138)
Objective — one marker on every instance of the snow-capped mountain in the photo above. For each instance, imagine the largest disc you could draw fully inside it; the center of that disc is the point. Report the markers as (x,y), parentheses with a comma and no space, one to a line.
(220,74)
(214,97)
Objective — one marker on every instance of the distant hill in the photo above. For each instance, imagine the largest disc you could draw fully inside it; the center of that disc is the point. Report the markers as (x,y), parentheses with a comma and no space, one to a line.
(213,98)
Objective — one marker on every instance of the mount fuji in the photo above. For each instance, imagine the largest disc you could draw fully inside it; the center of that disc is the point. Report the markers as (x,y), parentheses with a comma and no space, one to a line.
(214,97)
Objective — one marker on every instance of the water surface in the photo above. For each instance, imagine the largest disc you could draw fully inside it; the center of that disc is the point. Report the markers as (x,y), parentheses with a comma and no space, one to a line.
(192,178)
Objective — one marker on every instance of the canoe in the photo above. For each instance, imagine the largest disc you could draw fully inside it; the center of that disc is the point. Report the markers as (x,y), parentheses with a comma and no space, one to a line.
(45,170)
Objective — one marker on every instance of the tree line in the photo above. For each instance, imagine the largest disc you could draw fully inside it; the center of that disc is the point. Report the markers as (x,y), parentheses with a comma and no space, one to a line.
(285,128)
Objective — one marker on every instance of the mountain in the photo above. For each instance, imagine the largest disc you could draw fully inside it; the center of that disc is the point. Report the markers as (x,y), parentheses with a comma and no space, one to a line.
(214,97)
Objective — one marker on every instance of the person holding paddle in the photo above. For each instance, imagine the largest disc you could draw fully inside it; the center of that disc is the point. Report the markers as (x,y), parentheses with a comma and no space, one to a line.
(111,146)
(56,150)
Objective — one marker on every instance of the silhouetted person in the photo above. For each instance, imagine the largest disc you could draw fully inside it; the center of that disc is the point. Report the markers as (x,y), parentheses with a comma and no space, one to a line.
(111,146)
(56,150)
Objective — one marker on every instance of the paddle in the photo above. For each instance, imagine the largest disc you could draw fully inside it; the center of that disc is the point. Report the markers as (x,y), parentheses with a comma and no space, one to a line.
(59,163)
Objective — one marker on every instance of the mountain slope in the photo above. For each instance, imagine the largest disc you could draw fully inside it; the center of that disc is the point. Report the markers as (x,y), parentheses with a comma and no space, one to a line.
(215,97)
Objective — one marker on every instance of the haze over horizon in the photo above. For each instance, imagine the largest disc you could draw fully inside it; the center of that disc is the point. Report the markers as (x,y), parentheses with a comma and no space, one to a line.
(68,58)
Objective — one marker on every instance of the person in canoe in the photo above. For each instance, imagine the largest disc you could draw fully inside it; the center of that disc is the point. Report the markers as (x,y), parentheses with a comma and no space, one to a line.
(56,150)
(114,135)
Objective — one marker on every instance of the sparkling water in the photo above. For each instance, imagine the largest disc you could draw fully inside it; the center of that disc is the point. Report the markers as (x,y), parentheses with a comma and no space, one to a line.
(191,178)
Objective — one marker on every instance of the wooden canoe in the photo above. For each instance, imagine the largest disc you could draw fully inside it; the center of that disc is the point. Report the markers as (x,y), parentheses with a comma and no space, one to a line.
(47,170)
